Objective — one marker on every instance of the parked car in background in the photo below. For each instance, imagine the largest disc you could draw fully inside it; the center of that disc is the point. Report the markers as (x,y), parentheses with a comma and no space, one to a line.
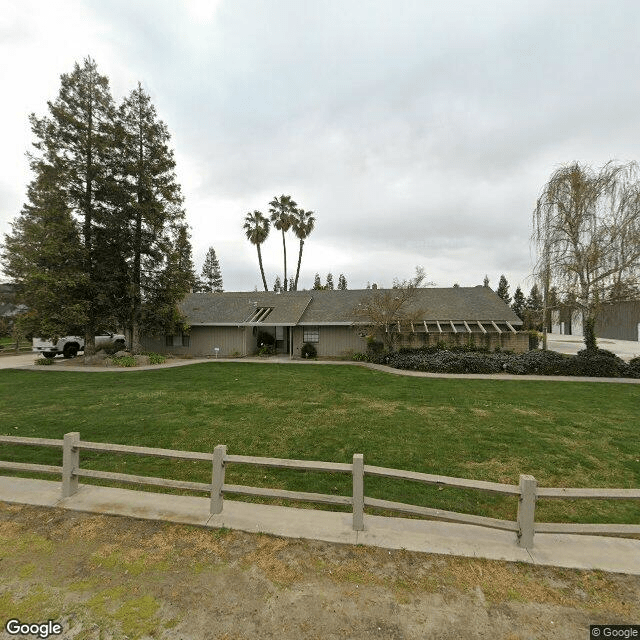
(69,346)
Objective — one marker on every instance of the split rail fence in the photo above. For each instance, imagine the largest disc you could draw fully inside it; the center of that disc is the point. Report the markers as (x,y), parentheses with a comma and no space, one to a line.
(527,491)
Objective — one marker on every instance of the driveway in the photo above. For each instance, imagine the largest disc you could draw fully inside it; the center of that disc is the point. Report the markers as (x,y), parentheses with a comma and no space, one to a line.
(626,349)
(13,362)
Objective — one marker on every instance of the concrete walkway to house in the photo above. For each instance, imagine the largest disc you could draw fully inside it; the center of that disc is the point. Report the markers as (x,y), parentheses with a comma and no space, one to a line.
(60,364)
(618,555)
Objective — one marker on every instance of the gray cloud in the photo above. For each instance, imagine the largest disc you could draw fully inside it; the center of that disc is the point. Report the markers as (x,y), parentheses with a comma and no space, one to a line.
(420,133)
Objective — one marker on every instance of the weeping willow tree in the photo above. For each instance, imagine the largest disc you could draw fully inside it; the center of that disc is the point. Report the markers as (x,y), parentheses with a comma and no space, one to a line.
(586,228)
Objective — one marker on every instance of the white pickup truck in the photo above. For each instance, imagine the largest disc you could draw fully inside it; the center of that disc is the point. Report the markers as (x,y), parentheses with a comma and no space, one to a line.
(70,345)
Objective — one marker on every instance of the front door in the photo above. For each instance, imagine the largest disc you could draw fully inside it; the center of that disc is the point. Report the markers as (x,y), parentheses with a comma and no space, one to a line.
(282,339)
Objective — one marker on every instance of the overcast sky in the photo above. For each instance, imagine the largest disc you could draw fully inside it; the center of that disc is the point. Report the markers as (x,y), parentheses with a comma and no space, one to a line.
(420,133)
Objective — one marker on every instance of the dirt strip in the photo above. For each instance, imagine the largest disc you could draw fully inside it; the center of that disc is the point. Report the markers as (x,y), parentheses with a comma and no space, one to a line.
(107,578)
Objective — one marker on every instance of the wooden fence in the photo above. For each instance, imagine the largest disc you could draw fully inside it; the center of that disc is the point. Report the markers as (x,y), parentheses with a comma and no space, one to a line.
(527,491)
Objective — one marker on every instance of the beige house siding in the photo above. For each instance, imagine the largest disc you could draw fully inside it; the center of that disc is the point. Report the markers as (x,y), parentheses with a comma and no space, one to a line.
(332,341)
(203,340)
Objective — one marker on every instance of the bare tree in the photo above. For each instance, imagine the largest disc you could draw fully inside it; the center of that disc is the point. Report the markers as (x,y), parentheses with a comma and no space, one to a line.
(586,228)
(384,311)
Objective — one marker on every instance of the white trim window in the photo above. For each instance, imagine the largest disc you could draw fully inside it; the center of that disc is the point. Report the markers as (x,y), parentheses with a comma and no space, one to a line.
(311,334)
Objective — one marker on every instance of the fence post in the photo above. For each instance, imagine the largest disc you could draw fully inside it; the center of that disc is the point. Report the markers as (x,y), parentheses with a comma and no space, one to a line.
(217,479)
(70,463)
(358,492)
(526,510)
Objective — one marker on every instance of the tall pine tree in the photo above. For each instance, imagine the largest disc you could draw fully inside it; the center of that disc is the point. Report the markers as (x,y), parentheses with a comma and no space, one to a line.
(211,276)
(518,303)
(43,256)
(329,284)
(152,206)
(102,236)
(503,290)
(73,164)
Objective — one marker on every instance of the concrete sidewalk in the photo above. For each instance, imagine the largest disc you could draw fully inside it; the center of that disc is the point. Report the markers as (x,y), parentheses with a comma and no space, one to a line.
(70,365)
(617,555)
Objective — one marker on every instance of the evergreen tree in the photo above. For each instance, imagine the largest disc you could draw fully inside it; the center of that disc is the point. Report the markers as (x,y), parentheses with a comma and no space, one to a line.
(329,283)
(73,165)
(277,285)
(485,282)
(172,276)
(503,290)
(533,309)
(292,284)
(153,203)
(518,303)
(342,282)
(211,276)
(43,256)
(317,283)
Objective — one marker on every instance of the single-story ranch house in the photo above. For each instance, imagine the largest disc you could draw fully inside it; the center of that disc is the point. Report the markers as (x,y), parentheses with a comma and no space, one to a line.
(227,324)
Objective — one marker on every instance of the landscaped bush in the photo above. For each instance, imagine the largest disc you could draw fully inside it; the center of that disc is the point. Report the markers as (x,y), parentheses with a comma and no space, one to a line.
(157,358)
(267,350)
(124,361)
(308,351)
(593,363)
(44,361)
(600,363)
(634,368)
(265,339)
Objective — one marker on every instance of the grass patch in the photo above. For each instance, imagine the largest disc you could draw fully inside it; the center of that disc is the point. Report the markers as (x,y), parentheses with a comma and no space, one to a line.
(565,434)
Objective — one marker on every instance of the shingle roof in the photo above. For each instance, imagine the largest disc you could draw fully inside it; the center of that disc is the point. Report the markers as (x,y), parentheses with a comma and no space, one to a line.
(240,308)
(339,307)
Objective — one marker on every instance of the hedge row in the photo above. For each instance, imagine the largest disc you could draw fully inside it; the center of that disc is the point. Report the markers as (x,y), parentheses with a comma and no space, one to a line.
(595,363)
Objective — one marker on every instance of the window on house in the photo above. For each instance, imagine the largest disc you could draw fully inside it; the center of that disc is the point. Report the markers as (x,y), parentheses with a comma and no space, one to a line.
(178,340)
(311,334)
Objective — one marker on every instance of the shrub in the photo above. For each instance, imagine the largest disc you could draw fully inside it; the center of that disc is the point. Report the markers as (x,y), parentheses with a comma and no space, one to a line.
(634,368)
(267,350)
(600,363)
(44,361)
(308,351)
(374,347)
(157,358)
(265,339)
(534,339)
(124,361)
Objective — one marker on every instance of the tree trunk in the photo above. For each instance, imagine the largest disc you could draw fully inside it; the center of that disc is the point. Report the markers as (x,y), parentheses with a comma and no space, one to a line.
(90,327)
(264,280)
(295,284)
(284,247)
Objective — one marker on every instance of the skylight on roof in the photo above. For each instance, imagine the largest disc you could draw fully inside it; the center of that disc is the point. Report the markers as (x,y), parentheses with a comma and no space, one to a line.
(260,314)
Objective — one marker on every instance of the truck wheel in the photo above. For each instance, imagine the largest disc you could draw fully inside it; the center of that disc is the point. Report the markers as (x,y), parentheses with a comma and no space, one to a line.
(70,351)
(49,355)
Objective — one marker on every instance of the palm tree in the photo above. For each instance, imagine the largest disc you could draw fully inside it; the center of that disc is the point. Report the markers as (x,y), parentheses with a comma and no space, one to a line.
(256,228)
(303,223)
(281,210)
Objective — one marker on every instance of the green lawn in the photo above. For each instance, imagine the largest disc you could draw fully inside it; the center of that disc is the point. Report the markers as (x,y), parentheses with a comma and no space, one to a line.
(7,342)
(565,434)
